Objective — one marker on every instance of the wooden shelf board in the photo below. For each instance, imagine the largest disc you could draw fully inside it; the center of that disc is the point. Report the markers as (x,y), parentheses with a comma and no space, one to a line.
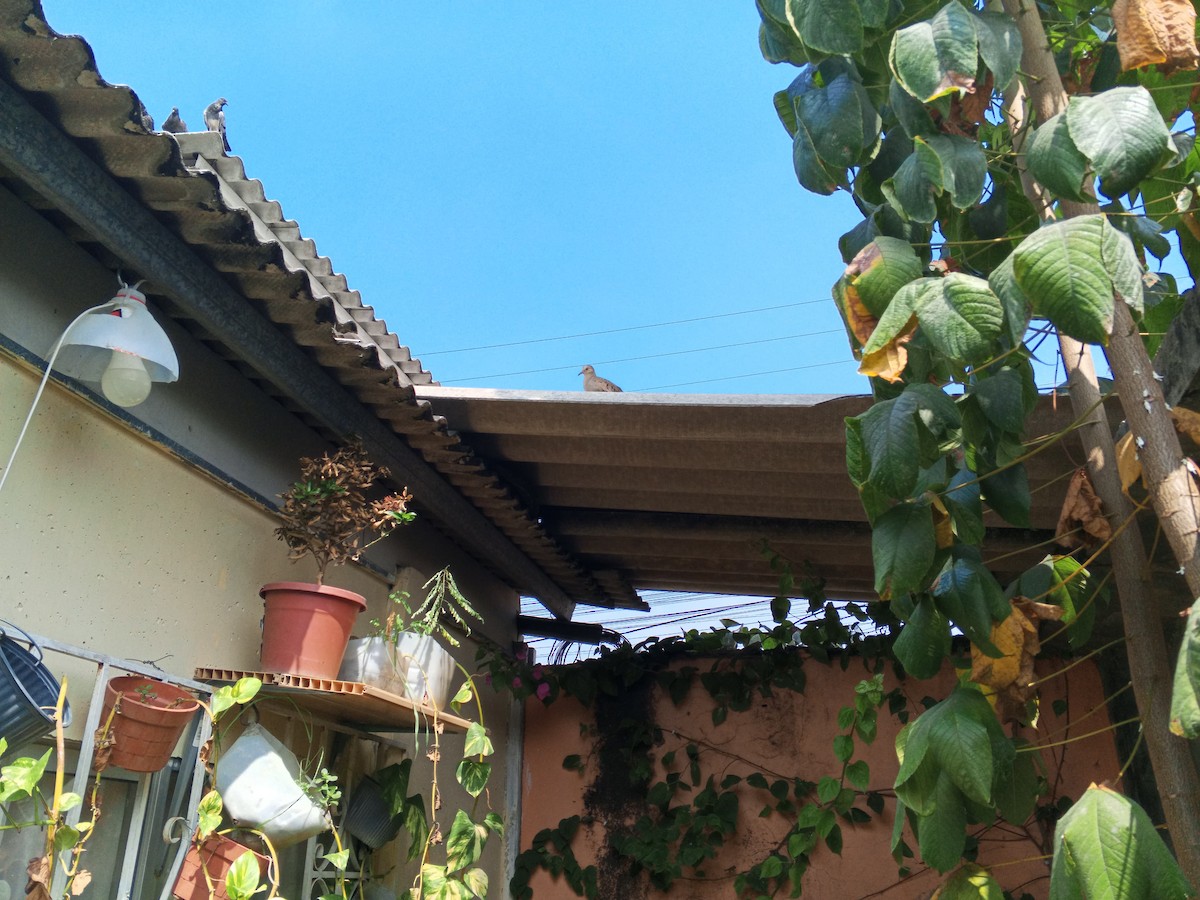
(348,702)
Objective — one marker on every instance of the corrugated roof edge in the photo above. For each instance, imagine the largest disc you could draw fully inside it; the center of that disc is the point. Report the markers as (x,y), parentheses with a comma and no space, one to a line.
(279,271)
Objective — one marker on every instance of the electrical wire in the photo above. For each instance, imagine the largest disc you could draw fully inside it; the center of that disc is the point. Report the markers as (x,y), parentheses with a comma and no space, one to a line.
(661,387)
(570,337)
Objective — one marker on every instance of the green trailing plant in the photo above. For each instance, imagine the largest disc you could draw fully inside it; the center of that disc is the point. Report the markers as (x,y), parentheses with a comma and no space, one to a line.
(328,515)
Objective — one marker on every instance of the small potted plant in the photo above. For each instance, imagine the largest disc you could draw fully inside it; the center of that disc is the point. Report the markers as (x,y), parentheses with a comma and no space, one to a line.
(142,720)
(326,515)
(430,666)
(375,659)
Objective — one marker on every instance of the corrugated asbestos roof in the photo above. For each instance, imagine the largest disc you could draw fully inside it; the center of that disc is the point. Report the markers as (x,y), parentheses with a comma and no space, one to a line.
(206,198)
(682,491)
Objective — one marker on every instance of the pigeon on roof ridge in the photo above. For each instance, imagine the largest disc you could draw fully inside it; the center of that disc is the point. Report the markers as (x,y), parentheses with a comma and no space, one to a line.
(593,382)
(174,123)
(214,119)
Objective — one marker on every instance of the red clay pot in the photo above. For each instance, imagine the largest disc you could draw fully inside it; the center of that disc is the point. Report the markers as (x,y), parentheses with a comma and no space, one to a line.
(147,725)
(306,627)
(216,855)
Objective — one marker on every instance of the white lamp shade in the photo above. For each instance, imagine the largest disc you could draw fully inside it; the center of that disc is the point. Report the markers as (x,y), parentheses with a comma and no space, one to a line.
(87,347)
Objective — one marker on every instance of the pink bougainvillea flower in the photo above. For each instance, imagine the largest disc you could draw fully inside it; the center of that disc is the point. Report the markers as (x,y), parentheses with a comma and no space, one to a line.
(543,691)
(517,683)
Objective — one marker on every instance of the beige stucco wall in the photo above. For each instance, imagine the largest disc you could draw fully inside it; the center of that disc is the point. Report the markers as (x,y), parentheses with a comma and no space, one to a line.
(125,536)
(790,736)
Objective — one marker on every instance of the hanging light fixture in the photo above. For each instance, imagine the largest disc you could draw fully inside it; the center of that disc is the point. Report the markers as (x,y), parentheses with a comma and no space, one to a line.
(118,344)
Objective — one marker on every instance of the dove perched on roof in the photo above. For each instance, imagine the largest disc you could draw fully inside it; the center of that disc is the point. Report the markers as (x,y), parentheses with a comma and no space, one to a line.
(214,119)
(174,124)
(593,382)
(144,116)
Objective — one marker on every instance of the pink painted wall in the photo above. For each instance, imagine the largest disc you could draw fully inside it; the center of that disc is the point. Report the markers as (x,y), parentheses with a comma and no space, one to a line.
(791,734)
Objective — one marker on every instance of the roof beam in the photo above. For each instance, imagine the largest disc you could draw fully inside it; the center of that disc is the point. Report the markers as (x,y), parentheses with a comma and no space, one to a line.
(55,166)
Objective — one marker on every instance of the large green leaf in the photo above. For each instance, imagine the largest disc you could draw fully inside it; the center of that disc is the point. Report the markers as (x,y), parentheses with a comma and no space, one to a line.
(937,57)
(889,432)
(1123,266)
(964,168)
(1063,581)
(242,879)
(999,46)
(473,775)
(1056,162)
(942,835)
(1107,847)
(961,317)
(892,264)
(913,190)
(1122,133)
(953,735)
(1185,692)
(969,596)
(831,26)
(810,171)
(1017,307)
(924,642)
(965,504)
(1001,399)
(1061,269)
(465,843)
(971,882)
(903,546)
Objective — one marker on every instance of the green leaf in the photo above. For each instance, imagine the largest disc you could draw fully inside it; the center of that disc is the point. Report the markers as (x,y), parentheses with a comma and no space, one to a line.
(1106,846)
(1059,580)
(843,747)
(903,545)
(831,26)
(810,171)
(477,743)
(912,113)
(338,859)
(473,776)
(827,789)
(1001,399)
(22,775)
(961,317)
(1061,269)
(884,270)
(942,835)
(1122,133)
(971,882)
(242,880)
(938,57)
(1017,307)
(968,595)
(1056,162)
(1123,266)
(494,823)
(1007,492)
(476,881)
(963,166)
(209,813)
(463,696)
(1016,786)
(924,641)
(465,844)
(65,837)
(858,773)
(915,186)
(965,505)
(999,46)
(830,102)
(1185,691)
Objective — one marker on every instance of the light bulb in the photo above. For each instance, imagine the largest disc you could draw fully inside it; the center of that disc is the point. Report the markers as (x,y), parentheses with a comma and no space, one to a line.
(125,382)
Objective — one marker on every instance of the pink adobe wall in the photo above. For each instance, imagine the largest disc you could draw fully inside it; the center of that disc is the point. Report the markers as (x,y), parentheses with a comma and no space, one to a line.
(791,734)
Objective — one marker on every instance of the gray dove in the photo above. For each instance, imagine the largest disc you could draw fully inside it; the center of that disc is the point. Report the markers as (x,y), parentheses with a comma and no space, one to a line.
(214,119)
(593,382)
(144,116)
(174,124)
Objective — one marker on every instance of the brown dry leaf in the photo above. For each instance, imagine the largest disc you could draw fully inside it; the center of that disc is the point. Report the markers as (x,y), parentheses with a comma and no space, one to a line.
(1129,467)
(859,319)
(1186,422)
(38,871)
(1081,522)
(888,361)
(943,528)
(82,879)
(1007,682)
(1156,32)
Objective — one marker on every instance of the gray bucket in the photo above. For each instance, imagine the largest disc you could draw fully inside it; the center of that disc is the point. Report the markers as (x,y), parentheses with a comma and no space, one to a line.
(28,693)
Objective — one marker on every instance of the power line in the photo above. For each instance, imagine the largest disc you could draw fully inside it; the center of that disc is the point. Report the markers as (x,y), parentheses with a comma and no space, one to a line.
(569,337)
(661,387)
(605,362)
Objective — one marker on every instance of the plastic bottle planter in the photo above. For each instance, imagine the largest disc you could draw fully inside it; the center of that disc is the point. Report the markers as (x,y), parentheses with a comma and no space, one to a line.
(430,669)
(369,817)
(150,717)
(215,856)
(259,783)
(377,662)
(306,627)
(27,693)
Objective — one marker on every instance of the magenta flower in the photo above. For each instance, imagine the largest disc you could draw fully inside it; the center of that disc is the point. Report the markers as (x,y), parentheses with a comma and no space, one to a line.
(543,691)
(516,684)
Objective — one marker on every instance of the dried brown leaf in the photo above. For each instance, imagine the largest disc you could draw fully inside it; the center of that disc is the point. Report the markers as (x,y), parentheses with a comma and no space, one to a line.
(82,879)
(38,872)
(1186,422)
(1081,522)
(1156,32)
(1007,682)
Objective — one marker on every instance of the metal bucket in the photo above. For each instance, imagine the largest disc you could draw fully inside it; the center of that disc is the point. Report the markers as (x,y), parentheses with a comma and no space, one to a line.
(28,693)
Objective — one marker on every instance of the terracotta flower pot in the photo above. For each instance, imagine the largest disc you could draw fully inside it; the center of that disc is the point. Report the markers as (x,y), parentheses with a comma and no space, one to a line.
(215,856)
(306,627)
(150,718)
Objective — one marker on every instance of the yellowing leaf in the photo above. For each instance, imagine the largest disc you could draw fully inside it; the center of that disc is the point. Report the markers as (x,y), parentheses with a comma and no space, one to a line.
(858,317)
(1129,467)
(1081,522)
(1156,32)
(943,528)
(888,361)
(1007,682)
(970,882)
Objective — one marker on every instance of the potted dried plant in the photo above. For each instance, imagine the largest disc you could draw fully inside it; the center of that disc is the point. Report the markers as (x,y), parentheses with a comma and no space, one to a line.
(329,516)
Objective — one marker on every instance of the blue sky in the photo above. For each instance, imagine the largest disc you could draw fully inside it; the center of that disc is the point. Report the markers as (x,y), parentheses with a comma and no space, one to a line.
(500,173)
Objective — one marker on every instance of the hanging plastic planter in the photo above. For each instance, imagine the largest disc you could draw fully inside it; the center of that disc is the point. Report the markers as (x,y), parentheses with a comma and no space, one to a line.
(28,692)
(150,717)
(369,816)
